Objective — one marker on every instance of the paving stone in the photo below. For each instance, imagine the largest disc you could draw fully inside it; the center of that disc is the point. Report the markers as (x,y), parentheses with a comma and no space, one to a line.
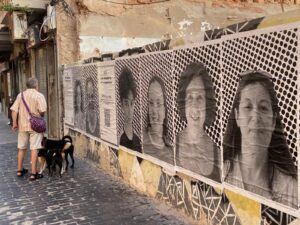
(83,196)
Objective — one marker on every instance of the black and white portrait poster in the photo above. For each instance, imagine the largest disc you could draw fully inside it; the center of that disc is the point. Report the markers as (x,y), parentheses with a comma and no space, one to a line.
(157,106)
(259,92)
(90,76)
(79,101)
(68,96)
(197,118)
(128,103)
(107,98)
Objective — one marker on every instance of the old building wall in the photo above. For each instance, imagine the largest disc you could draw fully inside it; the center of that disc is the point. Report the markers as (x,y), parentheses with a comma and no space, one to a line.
(106,27)
(67,36)
(99,27)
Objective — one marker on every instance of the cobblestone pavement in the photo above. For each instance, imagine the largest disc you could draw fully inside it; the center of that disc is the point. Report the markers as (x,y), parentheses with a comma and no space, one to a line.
(85,195)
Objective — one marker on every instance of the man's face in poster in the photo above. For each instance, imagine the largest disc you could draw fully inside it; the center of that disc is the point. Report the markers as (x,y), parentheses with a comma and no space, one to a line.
(91,106)
(156,105)
(128,107)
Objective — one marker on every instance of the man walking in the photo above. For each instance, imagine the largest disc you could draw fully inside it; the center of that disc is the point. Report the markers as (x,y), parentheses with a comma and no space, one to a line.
(37,104)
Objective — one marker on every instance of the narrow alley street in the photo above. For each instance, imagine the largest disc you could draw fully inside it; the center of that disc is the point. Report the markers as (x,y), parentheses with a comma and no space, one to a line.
(85,195)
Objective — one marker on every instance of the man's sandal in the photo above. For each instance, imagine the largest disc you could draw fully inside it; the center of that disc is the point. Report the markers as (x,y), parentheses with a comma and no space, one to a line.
(21,173)
(35,176)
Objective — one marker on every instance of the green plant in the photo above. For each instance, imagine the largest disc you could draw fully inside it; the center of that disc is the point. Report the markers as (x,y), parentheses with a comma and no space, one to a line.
(9,7)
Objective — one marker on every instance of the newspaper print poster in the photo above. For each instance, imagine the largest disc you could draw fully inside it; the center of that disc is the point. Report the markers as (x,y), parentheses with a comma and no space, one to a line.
(68,97)
(107,98)
(197,117)
(260,72)
(79,101)
(157,106)
(128,103)
(92,120)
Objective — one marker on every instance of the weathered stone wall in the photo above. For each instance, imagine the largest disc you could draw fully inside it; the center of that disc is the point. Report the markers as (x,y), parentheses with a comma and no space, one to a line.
(204,204)
(142,175)
(130,20)
(67,34)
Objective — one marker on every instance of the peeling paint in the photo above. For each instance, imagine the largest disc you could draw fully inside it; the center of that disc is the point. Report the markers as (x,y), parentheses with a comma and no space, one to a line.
(184,24)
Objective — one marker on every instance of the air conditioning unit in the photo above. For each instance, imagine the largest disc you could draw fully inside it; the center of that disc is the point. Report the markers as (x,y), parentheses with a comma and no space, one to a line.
(19,26)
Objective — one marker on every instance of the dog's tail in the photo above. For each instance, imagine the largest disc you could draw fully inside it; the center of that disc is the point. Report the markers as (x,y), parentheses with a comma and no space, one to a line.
(67,138)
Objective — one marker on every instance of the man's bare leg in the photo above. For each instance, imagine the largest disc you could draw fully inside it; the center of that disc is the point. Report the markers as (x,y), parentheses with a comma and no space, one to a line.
(21,155)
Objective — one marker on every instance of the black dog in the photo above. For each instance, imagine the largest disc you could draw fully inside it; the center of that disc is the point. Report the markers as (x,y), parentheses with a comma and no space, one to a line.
(50,158)
(54,153)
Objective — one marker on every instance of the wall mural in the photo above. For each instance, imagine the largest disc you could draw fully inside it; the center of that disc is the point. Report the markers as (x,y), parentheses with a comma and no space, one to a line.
(158,46)
(197,115)
(114,162)
(275,217)
(232,29)
(172,189)
(128,103)
(216,207)
(157,106)
(259,111)
(79,100)
(223,113)
(68,96)
(90,77)
(107,98)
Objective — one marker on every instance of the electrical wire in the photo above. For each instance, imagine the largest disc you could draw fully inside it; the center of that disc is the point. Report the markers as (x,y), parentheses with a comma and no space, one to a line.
(43,24)
(52,25)
(40,31)
(142,3)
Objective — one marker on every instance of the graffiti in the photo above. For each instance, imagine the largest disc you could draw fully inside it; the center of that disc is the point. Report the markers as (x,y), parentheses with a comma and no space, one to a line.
(158,46)
(272,216)
(172,189)
(131,51)
(184,24)
(114,162)
(231,29)
(93,154)
(233,57)
(216,206)
(207,26)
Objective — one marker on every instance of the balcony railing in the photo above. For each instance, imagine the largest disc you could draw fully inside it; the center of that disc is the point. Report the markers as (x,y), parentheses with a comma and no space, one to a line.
(33,4)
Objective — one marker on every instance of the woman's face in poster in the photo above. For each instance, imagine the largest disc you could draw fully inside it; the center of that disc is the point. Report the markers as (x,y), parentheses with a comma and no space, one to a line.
(156,104)
(128,107)
(255,116)
(91,112)
(195,103)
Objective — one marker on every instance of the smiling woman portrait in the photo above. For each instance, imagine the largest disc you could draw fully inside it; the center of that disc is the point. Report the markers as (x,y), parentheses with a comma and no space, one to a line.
(195,151)
(256,155)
